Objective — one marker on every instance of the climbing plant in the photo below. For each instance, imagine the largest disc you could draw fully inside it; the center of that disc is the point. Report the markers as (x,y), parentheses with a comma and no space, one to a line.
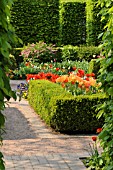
(7,37)
(106,77)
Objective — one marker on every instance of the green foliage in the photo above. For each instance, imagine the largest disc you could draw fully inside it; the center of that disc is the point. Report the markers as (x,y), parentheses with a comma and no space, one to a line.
(13,62)
(95,161)
(73,53)
(36,20)
(16,53)
(94,66)
(61,110)
(93,25)
(89,18)
(106,77)
(7,36)
(97,25)
(2,167)
(73,23)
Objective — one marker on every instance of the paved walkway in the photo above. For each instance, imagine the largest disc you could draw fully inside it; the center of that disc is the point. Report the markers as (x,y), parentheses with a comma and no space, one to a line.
(30,145)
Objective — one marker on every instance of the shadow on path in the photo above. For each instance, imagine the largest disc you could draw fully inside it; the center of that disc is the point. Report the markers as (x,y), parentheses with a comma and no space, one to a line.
(17,126)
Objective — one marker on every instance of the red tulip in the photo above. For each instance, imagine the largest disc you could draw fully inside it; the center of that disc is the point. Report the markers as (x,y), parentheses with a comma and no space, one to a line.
(99,130)
(74,68)
(57,69)
(81,72)
(94,138)
(92,74)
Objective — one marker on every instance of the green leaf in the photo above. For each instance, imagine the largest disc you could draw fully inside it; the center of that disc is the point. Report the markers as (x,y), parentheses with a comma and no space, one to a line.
(109,167)
(2,120)
(2,166)
(1,83)
(13,94)
(109,76)
(100,35)
(110,91)
(1,96)
(103,134)
(101,161)
(100,113)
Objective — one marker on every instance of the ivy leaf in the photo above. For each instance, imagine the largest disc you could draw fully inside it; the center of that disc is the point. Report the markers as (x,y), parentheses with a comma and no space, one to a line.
(1,83)
(2,120)
(109,76)
(101,162)
(1,96)
(13,94)
(103,134)
(100,35)
(100,113)
(110,91)
(110,167)
(2,167)
(2,105)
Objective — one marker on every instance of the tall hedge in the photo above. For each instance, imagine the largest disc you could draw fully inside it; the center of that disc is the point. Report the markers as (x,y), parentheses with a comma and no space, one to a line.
(98,26)
(73,23)
(93,25)
(80,22)
(36,20)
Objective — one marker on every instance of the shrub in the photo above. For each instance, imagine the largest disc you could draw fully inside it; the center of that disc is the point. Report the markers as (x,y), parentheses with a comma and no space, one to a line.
(39,53)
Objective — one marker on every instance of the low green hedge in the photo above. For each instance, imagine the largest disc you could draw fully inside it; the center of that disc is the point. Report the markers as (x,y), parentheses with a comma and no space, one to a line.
(73,53)
(41,93)
(77,115)
(62,111)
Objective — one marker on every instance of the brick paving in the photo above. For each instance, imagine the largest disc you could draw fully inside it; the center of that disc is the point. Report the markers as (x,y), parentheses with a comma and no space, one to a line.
(29,144)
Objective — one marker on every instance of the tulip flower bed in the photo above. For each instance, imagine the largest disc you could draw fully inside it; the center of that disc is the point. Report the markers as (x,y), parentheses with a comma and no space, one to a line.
(63,111)
(65,67)
(80,83)
(41,75)
(77,82)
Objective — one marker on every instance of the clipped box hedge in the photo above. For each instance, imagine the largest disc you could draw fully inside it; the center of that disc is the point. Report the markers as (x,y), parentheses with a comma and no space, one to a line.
(62,111)
(73,53)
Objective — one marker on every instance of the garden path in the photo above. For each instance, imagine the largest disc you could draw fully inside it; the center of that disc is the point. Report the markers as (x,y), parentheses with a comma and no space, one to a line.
(31,145)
